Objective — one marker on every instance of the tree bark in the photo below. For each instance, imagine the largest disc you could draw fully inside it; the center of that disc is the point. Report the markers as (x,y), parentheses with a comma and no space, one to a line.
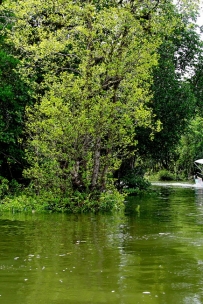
(96,166)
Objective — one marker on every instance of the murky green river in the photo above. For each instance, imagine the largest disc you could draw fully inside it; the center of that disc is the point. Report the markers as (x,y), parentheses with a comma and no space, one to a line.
(151,255)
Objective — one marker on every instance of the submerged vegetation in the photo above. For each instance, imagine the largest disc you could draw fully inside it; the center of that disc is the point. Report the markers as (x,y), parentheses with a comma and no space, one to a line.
(93,95)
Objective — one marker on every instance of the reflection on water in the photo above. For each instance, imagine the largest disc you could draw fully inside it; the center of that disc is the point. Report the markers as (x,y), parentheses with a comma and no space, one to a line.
(199,195)
(151,254)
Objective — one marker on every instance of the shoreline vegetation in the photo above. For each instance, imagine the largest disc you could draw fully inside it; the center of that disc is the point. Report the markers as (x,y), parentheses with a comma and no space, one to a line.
(25,200)
(17,199)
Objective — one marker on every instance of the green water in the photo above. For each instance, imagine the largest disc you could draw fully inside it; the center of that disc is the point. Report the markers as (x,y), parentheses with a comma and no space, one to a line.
(153,255)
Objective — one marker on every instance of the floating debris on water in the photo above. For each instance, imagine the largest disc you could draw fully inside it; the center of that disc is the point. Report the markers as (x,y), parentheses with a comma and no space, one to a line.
(146,292)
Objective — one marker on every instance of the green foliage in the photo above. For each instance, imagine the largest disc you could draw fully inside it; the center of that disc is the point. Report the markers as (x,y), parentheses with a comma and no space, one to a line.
(134,183)
(190,147)
(197,79)
(13,99)
(173,100)
(110,200)
(9,187)
(21,203)
(165,175)
(4,186)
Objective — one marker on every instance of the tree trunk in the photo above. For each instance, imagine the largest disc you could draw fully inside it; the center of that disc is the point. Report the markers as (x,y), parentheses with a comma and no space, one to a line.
(96,166)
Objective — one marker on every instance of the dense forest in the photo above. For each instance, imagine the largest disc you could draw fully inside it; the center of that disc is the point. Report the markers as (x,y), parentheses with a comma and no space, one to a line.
(94,95)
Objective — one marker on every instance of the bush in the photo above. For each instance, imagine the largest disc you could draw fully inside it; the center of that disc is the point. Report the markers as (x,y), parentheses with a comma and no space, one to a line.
(165,175)
(76,202)
(134,183)
(4,186)
(9,187)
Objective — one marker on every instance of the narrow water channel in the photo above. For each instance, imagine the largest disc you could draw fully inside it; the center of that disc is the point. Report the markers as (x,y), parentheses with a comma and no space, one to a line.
(151,254)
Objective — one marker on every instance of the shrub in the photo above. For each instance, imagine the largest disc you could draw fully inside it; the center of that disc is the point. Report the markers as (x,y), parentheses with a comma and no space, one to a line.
(165,175)
(4,186)
(76,202)
(134,183)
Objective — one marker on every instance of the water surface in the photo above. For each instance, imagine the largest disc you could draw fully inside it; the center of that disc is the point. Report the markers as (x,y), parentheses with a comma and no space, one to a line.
(150,254)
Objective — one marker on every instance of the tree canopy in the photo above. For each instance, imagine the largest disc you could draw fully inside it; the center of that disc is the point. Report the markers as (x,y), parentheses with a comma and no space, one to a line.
(174,101)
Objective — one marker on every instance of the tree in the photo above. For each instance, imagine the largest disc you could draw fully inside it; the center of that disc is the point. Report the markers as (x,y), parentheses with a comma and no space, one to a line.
(173,100)
(13,99)
(190,147)
(197,80)
(86,120)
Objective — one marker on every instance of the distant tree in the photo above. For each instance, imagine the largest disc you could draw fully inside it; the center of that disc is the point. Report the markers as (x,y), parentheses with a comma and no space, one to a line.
(190,147)
(197,81)
(173,101)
